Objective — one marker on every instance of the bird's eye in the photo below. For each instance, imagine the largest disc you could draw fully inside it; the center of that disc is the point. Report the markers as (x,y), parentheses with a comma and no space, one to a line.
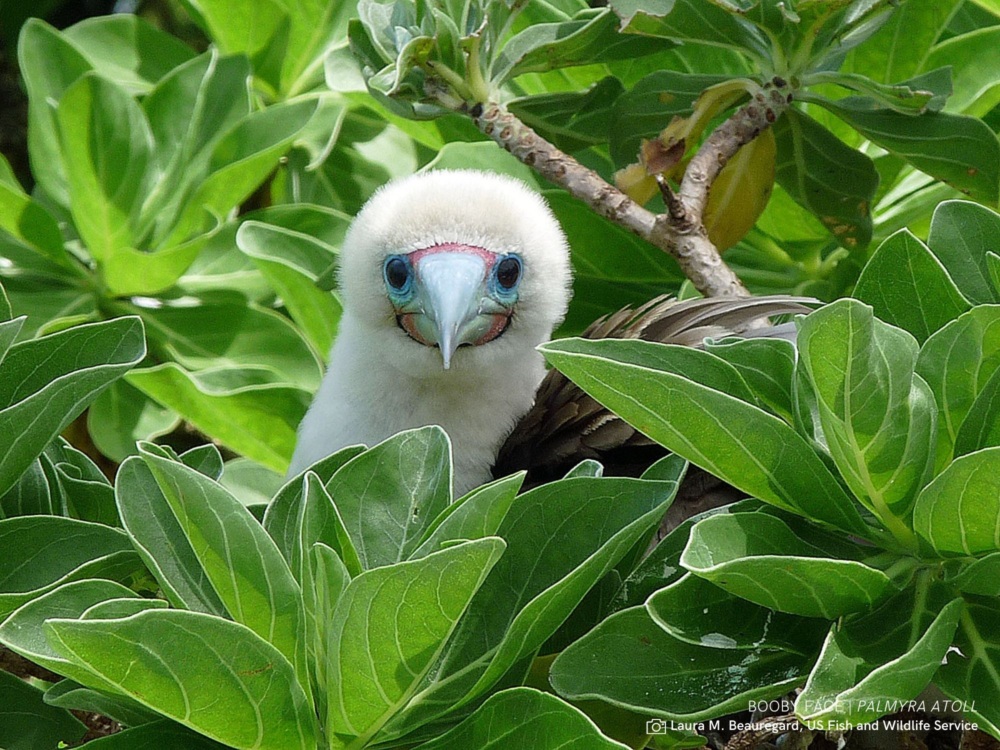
(509,272)
(397,273)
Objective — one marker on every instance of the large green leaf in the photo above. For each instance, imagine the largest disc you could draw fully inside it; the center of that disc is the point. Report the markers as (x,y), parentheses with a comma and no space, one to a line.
(232,334)
(901,47)
(880,659)
(76,697)
(527,718)
(240,560)
(698,612)
(159,539)
(31,225)
(981,429)
(571,120)
(758,557)
(729,437)
(47,382)
(962,233)
(50,63)
(128,50)
(960,151)
(957,362)
(241,408)
(107,150)
(123,415)
(292,262)
(922,297)
(223,680)
(630,661)
(976,89)
(692,21)
(833,181)
(380,658)
(590,37)
(27,722)
(959,512)
(878,419)
(44,551)
(159,735)
(189,112)
(22,631)
(240,162)
(767,366)
(969,674)
(389,495)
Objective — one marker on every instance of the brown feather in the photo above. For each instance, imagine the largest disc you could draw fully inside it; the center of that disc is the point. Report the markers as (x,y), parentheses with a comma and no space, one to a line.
(566,426)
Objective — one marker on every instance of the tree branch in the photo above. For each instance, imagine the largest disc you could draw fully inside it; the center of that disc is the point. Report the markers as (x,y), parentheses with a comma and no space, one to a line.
(680,231)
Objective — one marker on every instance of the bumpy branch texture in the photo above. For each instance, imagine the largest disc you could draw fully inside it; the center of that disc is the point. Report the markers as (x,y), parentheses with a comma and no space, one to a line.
(679,232)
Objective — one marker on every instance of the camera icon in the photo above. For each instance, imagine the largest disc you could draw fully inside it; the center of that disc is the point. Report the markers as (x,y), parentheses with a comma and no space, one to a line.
(657,726)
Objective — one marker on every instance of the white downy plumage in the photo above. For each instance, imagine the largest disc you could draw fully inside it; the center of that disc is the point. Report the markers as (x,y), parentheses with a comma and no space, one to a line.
(387,370)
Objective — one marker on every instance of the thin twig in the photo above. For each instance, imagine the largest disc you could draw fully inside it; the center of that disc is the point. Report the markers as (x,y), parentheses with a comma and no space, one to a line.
(680,231)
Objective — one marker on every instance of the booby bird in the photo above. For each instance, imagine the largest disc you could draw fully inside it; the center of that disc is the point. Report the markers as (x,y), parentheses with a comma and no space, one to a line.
(449,280)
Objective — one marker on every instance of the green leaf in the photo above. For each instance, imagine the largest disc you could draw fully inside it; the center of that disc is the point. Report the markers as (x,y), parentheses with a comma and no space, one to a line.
(43,552)
(380,657)
(524,717)
(645,110)
(879,659)
(758,557)
(961,236)
(562,538)
(107,150)
(250,483)
(128,50)
(159,539)
(241,408)
(922,297)
(292,262)
(50,63)
(877,418)
(959,512)
(240,560)
(767,366)
(74,696)
(123,415)
(976,89)
(159,735)
(569,119)
(980,577)
(27,722)
(590,37)
(31,225)
(22,631)
(749,448)
(691,21)
(957,362)
(960,151)
(970,674)
(822,174)
(240,162)
(981,429)
(47,382)
(389,495)
(630,661)
(232,334)
(224,681)
(189,112)
(697,612)
(477,515)
(900,48)
(285,513)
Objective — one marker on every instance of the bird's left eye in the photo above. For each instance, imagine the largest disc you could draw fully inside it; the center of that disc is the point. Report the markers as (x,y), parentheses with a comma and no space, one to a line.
(509,272)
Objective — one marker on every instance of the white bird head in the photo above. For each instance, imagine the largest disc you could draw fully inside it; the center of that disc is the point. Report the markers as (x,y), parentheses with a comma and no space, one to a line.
(455,270)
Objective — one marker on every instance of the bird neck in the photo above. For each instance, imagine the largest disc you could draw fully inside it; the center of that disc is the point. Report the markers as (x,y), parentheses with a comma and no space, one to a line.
(370,392)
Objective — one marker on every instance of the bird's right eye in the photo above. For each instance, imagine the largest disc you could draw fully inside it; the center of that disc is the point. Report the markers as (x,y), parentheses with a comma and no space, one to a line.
(397,273)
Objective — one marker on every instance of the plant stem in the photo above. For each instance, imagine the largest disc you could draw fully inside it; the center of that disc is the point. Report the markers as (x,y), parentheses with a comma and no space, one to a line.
(680,231)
